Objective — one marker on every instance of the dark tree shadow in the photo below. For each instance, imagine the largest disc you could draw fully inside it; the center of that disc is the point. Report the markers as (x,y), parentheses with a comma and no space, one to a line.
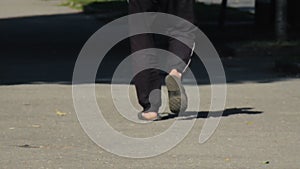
(43,49)
(205,114)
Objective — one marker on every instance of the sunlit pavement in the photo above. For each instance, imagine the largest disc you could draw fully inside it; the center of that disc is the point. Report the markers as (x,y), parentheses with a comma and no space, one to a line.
(259,129)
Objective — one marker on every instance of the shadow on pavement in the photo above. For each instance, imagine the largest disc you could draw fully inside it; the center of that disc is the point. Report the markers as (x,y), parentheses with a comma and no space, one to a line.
(205,114)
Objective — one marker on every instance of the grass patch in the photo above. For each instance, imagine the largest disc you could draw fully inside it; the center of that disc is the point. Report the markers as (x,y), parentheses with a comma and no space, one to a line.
(79,4)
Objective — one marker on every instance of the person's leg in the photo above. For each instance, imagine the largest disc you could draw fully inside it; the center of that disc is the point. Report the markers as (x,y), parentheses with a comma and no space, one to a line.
(185,10)
(147,80)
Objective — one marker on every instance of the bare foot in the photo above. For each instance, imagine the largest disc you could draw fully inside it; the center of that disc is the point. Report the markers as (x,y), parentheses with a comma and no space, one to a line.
(174,72)
(150,115)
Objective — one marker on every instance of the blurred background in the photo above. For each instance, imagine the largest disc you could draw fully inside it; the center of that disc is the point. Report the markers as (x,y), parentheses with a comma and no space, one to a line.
(258,40)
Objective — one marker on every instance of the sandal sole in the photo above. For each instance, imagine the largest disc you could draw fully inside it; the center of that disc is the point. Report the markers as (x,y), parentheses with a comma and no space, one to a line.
(177,100)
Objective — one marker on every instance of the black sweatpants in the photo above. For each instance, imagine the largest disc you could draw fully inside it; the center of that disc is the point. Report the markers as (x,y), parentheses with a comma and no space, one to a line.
(151,79)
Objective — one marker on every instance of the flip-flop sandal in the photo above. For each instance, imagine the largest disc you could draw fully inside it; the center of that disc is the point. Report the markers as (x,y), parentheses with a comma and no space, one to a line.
(177,96)
(141,117)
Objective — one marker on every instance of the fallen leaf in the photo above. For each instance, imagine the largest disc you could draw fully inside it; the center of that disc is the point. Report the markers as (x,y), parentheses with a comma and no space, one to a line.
(227,159)
(249,123)
(24,146)
(59,113)
(266,162)
(36,126)
(28,146)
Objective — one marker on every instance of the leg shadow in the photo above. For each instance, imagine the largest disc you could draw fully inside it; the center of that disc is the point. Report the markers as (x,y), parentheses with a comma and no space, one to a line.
(206,114)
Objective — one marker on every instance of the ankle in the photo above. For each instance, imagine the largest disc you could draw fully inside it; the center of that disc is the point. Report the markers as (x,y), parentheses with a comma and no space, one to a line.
(174,72)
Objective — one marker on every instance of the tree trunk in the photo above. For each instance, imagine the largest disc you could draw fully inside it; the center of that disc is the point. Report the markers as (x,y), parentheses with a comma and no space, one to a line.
(222,15)
(281,20)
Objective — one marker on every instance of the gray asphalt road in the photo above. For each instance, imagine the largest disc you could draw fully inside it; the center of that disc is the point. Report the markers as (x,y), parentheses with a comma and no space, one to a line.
(260,125)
